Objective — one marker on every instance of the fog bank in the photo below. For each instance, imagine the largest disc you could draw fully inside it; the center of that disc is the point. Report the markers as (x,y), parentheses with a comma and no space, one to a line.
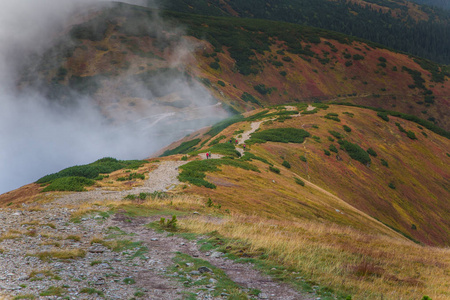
(39,136)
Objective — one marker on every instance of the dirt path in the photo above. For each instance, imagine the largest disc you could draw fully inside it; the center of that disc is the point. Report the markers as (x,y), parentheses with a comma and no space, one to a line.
(162,248)
(162,179)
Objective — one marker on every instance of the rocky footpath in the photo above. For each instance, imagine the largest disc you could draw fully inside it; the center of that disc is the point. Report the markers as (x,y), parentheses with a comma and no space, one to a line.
(46,254)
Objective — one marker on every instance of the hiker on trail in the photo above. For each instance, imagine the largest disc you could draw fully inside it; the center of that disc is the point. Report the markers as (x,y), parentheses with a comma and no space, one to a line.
(207,155)
(236,142)
(231,141)
(244,147)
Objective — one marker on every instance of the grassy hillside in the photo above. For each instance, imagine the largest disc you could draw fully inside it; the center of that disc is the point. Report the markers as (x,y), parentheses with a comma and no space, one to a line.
(245,63)
(339,200)
(395,171)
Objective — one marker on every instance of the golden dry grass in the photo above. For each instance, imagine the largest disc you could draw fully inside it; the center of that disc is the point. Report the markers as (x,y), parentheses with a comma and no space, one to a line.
(178,202)
(11,234)
(363,265)
(60,254)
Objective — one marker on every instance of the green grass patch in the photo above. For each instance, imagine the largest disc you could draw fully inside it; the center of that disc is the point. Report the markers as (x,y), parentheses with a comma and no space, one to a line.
(195,272)
(91,291)
(26,296)
(53,291)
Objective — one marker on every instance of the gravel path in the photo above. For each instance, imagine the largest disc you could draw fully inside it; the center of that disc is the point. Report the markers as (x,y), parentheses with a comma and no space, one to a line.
(164,178)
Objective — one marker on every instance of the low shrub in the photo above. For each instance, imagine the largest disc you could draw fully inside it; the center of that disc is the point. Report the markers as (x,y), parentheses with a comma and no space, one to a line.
(347,129)
(299,181)
(250,156)
(411,135)
(184,148)
(355,151)
(372,152)
(93,170)
(72,184)
(286,164)
(332,116)
(194,171)
(217,140)
(384,163)
(333,148)
(383,115)
(215,129)
(336,134)
(250,98)
(227,149)
(281,135)
(303,158)
(170,225)
(327,153)
(275,170)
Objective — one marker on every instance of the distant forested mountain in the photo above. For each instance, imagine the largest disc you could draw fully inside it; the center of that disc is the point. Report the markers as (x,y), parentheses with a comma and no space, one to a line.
(438,3)
(420,30)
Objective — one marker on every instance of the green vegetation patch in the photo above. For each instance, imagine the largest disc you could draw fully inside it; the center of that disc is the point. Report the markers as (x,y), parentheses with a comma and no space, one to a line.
(281,135)
(332,116)
(227,149)
(91,171)
(215,129)
(250,156)
(73,184)
(195,272)
(250,98)
(194,171)
(183,148)
(355,151)
(427,124)
(53,291)
(336,134)
(217,140)
(91,291)
(372,152)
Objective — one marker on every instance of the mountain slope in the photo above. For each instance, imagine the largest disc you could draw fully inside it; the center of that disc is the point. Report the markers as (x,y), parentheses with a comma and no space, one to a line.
(340,222)
(403,183)
(245,63)
(402,25)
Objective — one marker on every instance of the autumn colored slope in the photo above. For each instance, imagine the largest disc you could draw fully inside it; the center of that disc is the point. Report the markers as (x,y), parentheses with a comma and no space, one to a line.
(245,63)
(316,216)
(405,183)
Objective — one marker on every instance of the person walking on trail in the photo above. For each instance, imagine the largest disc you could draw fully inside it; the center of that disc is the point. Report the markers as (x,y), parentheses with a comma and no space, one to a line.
(244,147)
(236,142)
(207,155)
